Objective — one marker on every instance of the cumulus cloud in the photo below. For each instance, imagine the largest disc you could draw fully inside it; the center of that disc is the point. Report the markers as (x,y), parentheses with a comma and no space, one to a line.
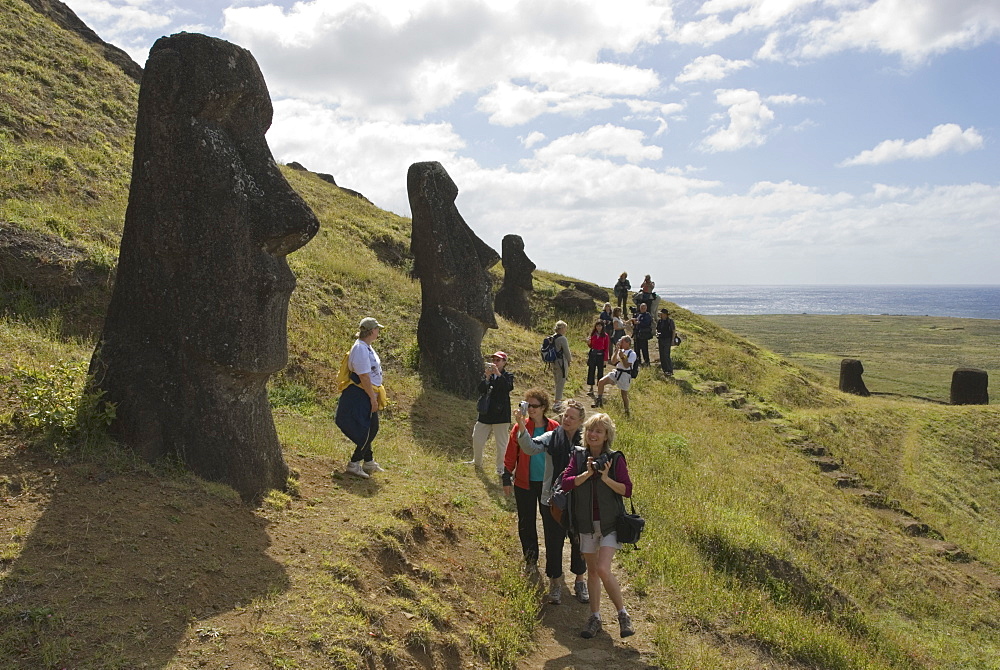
(710,68)
(947,137)
(749,119)
(405,60)
(607,140)
(532,139)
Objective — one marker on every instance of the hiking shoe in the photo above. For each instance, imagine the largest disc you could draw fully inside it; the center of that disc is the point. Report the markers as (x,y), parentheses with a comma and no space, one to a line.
(354,468)
(371,467)
(581,592)
(625,624)
(555,591)
(593,627)
(598,402)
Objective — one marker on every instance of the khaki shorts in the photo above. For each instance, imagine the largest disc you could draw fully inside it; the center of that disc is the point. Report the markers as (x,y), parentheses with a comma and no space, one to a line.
(590,543)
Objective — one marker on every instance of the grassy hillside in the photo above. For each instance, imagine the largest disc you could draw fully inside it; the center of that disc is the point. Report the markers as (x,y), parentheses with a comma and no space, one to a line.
(789,526)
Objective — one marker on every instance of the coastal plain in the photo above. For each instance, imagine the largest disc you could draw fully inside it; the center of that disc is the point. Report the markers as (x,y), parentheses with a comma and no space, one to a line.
(904,355)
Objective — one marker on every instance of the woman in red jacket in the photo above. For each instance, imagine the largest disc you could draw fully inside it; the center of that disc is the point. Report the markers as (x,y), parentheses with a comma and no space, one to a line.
(599,342)
(527,473)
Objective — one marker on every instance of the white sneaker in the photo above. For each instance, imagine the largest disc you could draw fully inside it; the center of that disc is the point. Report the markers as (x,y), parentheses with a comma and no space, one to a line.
(354,468)
(371,467)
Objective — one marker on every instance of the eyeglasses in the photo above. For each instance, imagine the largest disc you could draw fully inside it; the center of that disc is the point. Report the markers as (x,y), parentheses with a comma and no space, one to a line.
(535,406)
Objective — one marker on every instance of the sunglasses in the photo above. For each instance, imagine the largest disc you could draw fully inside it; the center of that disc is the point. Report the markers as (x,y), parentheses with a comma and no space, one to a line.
(535,406)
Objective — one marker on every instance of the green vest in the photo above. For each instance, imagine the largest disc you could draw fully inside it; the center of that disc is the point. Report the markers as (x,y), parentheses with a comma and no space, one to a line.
(609,503)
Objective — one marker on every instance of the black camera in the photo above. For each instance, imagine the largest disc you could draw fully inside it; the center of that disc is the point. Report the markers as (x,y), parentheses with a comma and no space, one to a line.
(633,310)
(601,461)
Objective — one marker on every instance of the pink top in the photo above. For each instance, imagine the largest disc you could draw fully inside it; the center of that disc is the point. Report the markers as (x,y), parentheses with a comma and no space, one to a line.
(619,474)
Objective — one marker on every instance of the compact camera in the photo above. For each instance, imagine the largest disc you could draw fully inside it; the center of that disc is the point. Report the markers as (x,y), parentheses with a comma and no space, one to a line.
(601,461)
(524,407)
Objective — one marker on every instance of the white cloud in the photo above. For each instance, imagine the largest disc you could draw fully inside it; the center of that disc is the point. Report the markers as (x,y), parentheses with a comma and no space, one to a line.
(511,105)
(789,99)
(710,68)
(607,141)
(912,29)
(749,119)
(406,60)
(532,139)
(947,137)
(368,156)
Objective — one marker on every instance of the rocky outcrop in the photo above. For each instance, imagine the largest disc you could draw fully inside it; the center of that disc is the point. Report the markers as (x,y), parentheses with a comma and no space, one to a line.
(65,18)
(593,290)
(197,320)
(573,300)
(452,265)
(970,386)
(851,371)
(512,298)
(328,178)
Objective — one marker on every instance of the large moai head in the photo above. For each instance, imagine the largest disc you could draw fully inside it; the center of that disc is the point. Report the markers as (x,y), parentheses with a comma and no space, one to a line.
(512,298)
(452,264)
(197,320)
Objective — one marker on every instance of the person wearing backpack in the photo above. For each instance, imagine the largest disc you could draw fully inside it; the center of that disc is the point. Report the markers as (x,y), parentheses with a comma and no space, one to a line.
(493,412)
(665,331)
(642,332)
(626,367)
(560,366)
(557,445)
(622,289)
(597,479)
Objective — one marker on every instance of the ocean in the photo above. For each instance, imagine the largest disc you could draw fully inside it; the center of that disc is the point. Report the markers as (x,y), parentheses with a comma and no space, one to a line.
(965,301)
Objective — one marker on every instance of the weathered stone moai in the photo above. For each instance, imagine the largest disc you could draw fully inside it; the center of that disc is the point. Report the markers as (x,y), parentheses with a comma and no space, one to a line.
(197,320)
(452,265)
(512,298)
(970,386)
(851,371)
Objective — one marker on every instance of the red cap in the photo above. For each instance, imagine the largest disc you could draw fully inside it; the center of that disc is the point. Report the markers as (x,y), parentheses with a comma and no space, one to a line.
(501,355)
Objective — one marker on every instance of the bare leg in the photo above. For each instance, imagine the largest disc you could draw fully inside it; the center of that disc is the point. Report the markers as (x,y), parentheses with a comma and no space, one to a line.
(604,556)
(593,581)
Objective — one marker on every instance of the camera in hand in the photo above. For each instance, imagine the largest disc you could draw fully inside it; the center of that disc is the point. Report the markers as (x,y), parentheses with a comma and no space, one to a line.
(601,461)
(524,407)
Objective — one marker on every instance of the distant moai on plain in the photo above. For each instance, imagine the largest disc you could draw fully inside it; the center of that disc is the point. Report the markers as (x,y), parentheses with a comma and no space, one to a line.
(197,319)
(851,371)
(512,298)
(970,386)
(456,289)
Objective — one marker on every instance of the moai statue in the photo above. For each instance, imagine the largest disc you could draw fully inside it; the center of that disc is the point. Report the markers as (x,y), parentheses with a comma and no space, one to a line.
(512,298)
(970,386)
(452,265)
(851,370)
(197,320)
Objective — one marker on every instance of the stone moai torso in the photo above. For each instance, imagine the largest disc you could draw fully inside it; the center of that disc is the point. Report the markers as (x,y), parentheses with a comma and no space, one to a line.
(970,386)
(851,371)
(452,265)
(512,298)
(197,320)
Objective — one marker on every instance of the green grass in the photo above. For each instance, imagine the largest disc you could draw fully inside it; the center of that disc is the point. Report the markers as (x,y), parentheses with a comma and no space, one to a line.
(752,557)
(908,355)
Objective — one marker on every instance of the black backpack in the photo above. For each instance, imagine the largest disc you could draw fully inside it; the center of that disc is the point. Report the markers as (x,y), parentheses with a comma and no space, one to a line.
(548,350)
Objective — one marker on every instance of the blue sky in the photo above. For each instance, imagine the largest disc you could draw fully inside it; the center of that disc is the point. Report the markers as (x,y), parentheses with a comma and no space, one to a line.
(703,142)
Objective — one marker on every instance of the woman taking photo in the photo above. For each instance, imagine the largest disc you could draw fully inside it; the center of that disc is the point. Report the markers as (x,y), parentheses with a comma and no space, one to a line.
(597,479)
(526,471)
(557,446)
(600,352)
(624,358)
(617,325)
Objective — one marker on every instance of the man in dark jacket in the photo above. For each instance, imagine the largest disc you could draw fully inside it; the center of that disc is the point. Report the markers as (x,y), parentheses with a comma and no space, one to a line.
(665,331)
(494,410)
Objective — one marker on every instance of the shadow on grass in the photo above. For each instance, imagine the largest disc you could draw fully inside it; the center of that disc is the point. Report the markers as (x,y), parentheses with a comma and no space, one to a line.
(118,566)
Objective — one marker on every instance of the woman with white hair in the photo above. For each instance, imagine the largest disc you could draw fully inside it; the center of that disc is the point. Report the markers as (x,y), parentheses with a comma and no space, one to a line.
(361,399)
(560,366)
(597,480)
